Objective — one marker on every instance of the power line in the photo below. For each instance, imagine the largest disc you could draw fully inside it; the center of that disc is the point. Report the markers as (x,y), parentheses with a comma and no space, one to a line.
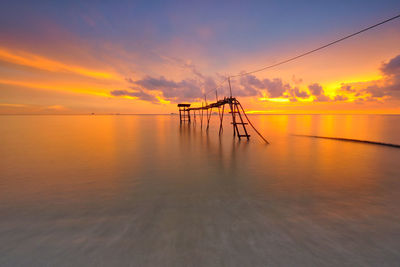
(218,86)
(302,55)
(316,49)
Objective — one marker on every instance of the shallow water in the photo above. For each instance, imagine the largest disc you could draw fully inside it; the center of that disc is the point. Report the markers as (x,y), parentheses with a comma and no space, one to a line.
(145,191)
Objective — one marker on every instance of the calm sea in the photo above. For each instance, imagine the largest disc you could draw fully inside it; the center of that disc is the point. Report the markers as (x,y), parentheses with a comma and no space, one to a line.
(146,191)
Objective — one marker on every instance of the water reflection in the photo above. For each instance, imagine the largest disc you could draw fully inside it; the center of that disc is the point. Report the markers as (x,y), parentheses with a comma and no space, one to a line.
(148,191)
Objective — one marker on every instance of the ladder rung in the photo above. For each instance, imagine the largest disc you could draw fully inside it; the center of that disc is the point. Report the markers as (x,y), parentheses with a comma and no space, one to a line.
(244,135)
(244,123)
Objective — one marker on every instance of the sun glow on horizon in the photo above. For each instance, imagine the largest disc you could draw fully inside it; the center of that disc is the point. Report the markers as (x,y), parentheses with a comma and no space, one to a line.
(86,65)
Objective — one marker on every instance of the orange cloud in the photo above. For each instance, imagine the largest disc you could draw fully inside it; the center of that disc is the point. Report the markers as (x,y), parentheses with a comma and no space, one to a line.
(39,62)
(12,105)
(64,88)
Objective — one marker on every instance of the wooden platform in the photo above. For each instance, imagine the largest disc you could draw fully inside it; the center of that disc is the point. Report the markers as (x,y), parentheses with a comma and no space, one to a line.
(239,117)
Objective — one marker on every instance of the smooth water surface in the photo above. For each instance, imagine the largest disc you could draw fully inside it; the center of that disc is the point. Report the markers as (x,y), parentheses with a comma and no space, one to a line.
(146,191)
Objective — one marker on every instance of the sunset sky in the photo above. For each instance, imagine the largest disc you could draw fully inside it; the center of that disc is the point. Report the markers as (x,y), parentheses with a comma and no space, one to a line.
(71,57)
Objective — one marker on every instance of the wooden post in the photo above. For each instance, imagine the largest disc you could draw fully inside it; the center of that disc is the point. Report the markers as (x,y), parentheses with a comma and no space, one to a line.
(233,118)
(221,119)
(201,119)
(208,118)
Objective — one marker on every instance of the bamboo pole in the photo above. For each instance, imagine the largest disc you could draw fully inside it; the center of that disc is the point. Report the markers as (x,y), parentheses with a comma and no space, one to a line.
(221,119)
(254,128)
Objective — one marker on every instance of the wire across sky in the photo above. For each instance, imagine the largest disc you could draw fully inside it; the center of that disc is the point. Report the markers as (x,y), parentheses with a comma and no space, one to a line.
(306,53)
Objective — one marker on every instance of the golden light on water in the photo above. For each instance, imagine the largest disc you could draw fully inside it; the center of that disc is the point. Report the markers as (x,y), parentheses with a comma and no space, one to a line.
(97,168)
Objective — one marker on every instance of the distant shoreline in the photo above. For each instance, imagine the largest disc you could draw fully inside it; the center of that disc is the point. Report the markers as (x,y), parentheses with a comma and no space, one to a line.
(250,114)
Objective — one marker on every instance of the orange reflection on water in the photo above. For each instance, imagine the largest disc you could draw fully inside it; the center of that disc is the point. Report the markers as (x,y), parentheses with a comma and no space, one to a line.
(59,154)
(121,184)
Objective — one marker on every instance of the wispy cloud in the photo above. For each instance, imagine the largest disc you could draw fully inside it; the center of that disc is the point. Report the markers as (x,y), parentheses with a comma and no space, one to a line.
(388,87)
(12,108)
(137,94)
(12,105)
(184,90)
(55,87)
(39,62)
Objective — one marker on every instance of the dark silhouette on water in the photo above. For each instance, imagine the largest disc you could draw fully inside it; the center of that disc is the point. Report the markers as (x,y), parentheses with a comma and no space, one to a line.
(239,116)
(350,140)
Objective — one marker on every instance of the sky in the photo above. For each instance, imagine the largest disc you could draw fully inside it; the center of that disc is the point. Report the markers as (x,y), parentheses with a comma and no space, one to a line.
(144,57)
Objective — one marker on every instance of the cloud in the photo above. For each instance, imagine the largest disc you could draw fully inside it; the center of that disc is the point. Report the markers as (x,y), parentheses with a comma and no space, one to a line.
(11,108)
(341,98)
(347,88)
(375,91)
(193,89)
(184,90)
(36,61)
(301,94)
(54,108)
(388,87)
(392,67)
(190,66)
(186,65)
(251,81)
(316,89)
(140,94)
(276,87)
(296,80)
(392,72)
(188,89)
(246,86)
(318,92)
(322,98)
(12,105)
(58,87)
(252,86)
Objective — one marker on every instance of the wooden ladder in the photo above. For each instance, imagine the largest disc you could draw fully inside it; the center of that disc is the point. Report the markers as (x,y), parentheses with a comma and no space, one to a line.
(237,119)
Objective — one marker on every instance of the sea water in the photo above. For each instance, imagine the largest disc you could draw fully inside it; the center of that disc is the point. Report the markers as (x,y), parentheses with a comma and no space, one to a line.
(145,190)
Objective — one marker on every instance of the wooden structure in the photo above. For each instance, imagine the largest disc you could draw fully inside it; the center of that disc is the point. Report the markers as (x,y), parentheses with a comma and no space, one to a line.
(239,117)
(184,112)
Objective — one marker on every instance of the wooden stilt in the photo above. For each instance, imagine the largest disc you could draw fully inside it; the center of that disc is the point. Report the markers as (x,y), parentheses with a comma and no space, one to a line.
(221,118)
(201,120)
(209,117)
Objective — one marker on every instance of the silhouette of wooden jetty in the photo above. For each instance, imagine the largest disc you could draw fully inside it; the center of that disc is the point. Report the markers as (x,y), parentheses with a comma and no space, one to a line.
(239,122)
(184,112)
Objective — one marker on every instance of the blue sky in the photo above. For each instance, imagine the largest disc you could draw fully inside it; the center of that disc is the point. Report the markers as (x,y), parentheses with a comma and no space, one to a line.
(177,39)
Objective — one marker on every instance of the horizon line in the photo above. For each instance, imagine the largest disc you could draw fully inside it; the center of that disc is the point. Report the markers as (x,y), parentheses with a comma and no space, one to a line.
(175,114)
